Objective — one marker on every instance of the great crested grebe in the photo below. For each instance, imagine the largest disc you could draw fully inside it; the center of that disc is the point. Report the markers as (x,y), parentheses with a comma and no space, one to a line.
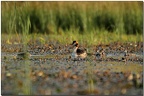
(78,53)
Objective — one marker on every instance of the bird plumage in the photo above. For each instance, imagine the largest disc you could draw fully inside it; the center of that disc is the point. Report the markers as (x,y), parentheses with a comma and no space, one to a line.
(77,52)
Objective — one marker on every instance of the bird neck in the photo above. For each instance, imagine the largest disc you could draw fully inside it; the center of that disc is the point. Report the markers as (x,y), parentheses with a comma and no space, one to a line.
(75,48)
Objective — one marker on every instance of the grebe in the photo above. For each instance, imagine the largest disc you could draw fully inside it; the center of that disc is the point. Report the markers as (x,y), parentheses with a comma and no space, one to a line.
(78,53)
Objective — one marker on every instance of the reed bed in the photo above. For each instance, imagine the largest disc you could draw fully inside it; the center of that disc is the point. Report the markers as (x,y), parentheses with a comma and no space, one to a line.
(80,17)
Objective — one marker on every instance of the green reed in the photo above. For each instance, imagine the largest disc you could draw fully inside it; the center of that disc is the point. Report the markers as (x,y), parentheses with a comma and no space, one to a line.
(86,22)
(80,17)
(23,22)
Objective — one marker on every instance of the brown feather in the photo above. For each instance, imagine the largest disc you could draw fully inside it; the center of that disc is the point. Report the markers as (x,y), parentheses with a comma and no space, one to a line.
(79,51)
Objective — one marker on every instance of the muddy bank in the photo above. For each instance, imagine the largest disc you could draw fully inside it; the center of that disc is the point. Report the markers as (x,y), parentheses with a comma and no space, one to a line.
(50,70)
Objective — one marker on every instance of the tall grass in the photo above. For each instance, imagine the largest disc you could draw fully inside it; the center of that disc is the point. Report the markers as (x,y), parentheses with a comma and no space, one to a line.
(19,22)
(88,39)
(25,25)
(82,17)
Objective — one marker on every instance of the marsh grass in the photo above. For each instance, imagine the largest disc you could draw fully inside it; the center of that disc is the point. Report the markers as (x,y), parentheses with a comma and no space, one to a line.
(79,17)
(25,25)
(87,22)
(27,89)
(90,77)
(85,39)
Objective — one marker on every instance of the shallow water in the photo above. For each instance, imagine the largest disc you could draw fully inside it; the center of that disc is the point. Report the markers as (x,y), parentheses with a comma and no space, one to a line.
(52,72)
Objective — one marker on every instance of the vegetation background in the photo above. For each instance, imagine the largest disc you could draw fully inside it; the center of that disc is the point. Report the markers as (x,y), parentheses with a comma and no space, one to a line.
(111,21)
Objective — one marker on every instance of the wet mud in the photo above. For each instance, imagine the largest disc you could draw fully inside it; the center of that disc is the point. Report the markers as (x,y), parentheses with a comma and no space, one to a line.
(50,70)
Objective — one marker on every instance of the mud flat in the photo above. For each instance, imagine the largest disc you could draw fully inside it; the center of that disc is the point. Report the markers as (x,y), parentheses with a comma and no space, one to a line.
(50,71)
